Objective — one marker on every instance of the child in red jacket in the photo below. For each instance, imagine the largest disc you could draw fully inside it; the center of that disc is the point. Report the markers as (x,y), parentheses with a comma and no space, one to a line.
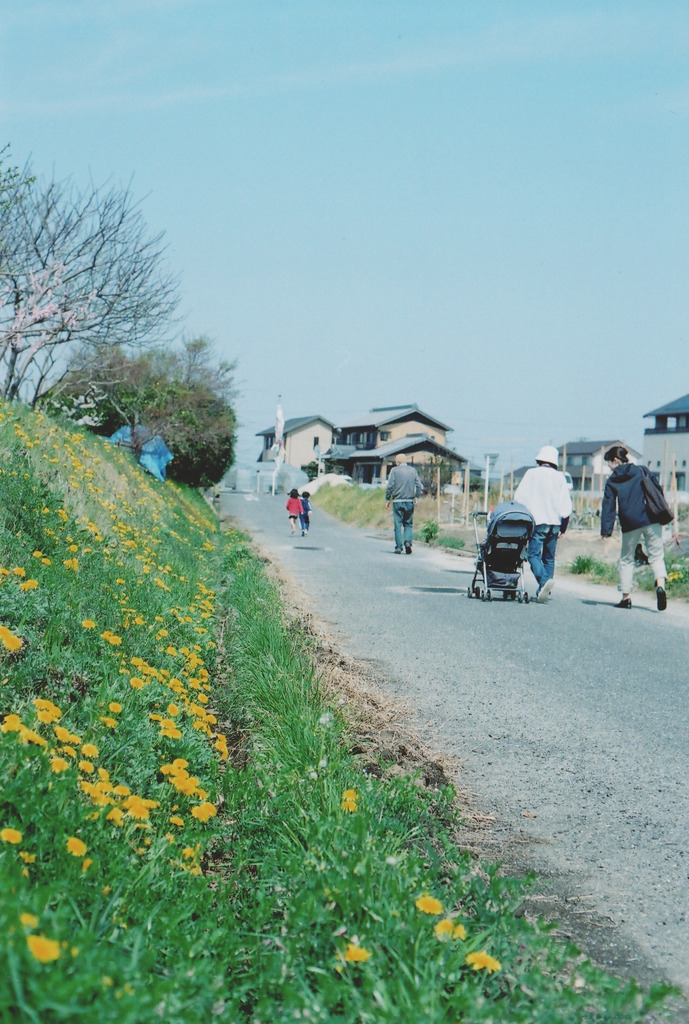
(294,508)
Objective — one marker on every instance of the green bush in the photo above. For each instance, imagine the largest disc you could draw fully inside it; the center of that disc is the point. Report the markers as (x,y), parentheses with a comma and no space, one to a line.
(430,531)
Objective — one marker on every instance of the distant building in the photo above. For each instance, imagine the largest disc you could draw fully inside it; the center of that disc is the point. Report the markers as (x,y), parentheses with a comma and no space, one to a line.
(666,443)
(364,446)
(585,462)
(305,438)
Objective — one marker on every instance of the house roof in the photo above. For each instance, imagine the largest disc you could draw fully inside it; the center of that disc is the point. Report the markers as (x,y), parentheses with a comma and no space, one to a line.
(679,407)
(589,447)
(382,415)
(410,443)
(295,424)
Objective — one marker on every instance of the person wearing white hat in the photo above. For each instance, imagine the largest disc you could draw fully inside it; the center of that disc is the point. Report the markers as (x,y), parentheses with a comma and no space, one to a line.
(545,493)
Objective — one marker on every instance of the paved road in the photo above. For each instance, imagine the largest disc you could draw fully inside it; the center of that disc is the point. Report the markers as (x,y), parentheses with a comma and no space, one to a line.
(571,719)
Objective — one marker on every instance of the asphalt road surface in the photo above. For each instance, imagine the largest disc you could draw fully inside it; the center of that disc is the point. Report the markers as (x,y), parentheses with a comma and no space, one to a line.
(570,719)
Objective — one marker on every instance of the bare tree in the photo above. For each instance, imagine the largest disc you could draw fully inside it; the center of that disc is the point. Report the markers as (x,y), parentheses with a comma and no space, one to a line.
(76,267)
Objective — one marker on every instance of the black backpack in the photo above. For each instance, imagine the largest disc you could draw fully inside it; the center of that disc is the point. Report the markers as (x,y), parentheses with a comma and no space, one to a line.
(656,506)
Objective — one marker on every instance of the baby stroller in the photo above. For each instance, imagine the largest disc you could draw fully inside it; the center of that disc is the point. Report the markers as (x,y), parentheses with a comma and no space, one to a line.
(502,553)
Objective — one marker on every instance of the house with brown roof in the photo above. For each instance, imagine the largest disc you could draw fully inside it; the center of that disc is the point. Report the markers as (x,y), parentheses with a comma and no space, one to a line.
(365,446)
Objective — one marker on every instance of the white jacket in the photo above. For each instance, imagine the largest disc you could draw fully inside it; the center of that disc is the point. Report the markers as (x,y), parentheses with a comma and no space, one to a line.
(545,493)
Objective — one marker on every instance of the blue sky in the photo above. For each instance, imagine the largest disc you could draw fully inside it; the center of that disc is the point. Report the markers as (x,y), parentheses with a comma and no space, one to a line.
(478,206)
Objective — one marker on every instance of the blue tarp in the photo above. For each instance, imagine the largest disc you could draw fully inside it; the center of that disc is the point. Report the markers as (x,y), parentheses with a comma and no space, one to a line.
(155,454)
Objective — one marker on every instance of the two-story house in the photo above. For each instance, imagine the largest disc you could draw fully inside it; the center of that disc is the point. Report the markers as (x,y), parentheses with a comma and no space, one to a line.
(305,438)
(666,443)
(365,446)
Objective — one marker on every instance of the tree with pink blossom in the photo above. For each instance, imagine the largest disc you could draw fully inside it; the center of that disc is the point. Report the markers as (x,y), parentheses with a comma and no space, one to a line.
(78,268)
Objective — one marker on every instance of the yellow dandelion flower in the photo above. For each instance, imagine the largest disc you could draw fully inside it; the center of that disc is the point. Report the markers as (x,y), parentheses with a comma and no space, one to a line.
(356,954)
(29,736)
(72,564)
(86,864)
(87,767)
(65,736)
(28,585)
(111,723)
(112,638)
(349,806)
(459,932)
(138,806)
(44,950)
(172,710)
(114,707)
(29,920)
(19,571)
(12,723)
(28,858)
(88,623)
(37,554)
(136,683)
(443,929)
(10,835)
(204,811)
(76,846)
(116,816)
(9,641)
(483,961)
(176,820)
(58,764)
(89,750)
(429,905)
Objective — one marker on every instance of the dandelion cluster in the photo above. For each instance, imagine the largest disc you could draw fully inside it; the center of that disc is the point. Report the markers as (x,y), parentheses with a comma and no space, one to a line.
(140,643)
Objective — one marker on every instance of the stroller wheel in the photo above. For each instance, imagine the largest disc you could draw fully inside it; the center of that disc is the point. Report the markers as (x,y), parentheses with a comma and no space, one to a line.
(489,596)
(519,598)
(470,592)
(526,598)
(477,592)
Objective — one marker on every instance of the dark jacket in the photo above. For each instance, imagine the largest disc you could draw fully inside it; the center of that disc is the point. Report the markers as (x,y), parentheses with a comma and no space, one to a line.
(623,488)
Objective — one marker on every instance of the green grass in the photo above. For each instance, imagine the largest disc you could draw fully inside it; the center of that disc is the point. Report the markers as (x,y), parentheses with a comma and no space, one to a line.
(184,835)
(677,585)
(352,504)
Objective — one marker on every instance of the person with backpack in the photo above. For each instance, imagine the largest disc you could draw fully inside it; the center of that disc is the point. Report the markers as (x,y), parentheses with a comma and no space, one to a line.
(624,492)
(305,517)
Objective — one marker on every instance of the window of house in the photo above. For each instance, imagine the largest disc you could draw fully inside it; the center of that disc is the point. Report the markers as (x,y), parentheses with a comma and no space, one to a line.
(385,435)
(316,442)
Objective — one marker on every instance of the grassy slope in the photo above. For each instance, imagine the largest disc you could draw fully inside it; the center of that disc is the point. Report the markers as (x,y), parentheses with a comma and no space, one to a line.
(147,875)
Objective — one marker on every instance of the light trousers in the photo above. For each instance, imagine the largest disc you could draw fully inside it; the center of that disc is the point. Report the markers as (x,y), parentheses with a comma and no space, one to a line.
(652,535)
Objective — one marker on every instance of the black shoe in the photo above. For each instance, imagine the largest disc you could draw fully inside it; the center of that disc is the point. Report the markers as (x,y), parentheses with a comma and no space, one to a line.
(626,602)
(398,551)
(661,599)
(407,548)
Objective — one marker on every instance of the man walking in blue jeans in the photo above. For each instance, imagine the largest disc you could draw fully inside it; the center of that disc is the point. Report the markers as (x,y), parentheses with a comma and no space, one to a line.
(404,486)
(545,493)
